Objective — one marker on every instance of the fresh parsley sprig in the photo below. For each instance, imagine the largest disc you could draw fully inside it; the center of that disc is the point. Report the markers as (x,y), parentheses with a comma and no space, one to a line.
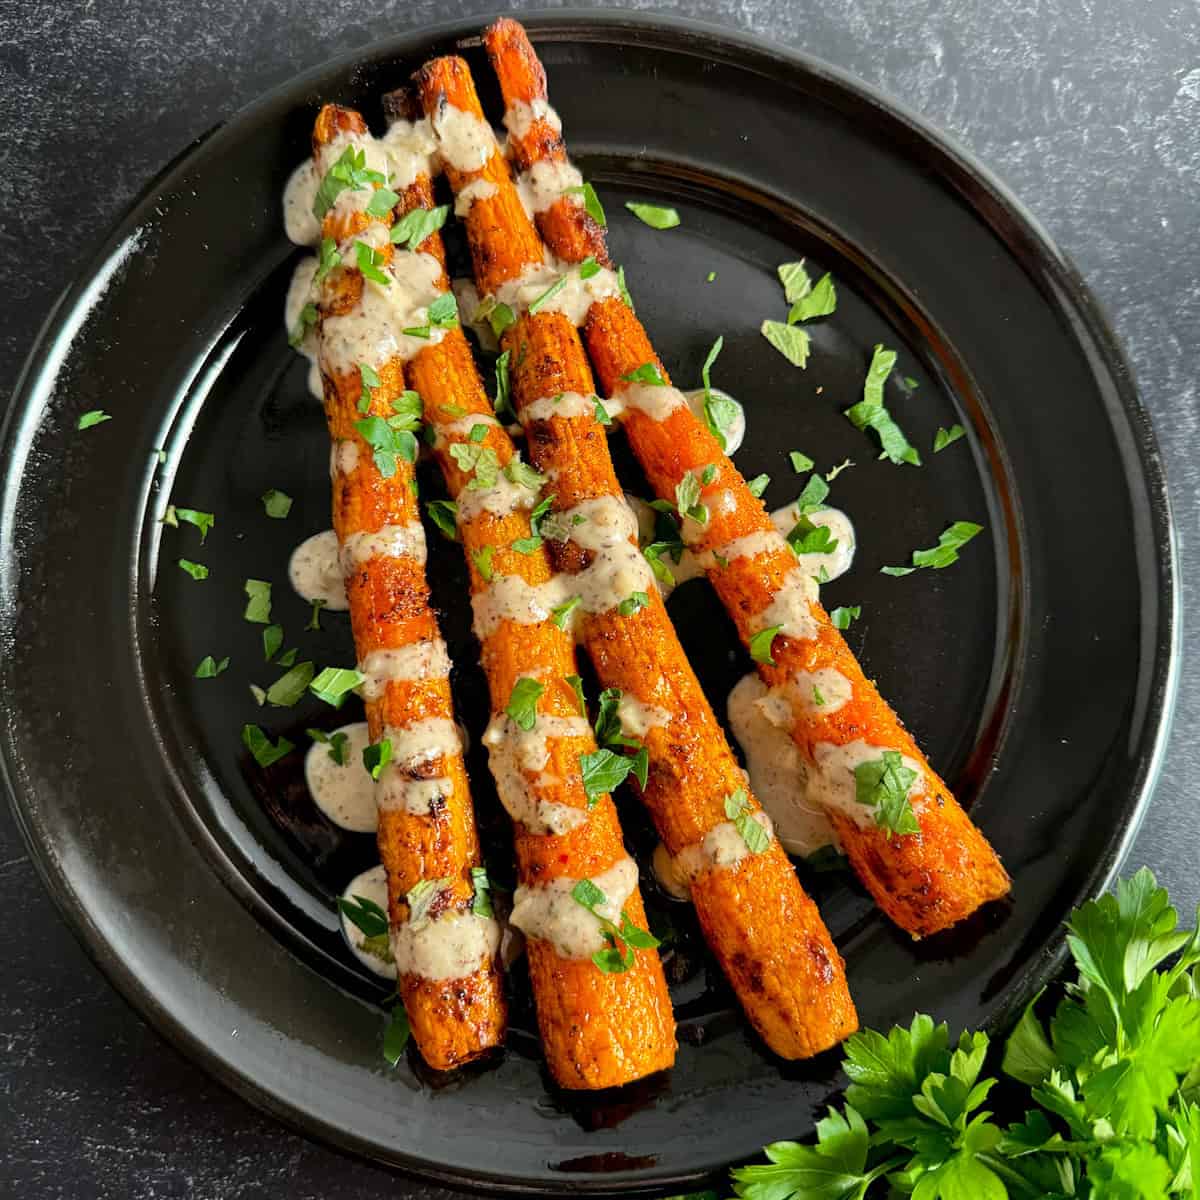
(622,940)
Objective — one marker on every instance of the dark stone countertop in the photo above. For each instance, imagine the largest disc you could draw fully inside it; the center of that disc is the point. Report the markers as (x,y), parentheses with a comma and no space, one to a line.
(1089,110)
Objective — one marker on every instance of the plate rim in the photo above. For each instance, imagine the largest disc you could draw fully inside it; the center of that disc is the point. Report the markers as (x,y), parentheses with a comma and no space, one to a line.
(997,207)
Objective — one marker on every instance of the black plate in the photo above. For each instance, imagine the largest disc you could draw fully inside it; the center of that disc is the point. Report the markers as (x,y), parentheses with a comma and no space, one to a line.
(1036,671)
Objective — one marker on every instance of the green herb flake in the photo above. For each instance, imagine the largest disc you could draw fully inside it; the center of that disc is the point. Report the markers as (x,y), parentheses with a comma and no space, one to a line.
(272,640)
(481,901)
(299,331)
(377,756)
(621,939)
(522,702)
(947,437)
(328,258)
(761,642)
(842,617)
(647,373)
(654,215)
(418,224)
(737,810)
(710,277)
(883,784)
(624,290)
(209,668)
(807,537)
(444,514)
(194,569)
(503,406)
(790,340)
(333,684)
(314,620)
(388,445)
(337,743)
(482,558)
(276,504)
(382,202)
(591,203)
(819,302)
(758,485)
(687,500)
(937,558)
(523,475)
(479,461)
(589,267)
(800,462)
(371,263)
(870,412)
(395,1035)
(203,521)
(290,687)
(560,614)
(834,472)
(795,280)
(349,172)
(364,914)
(632,603)
(261,747)
(576,685)
(813,496)
(603,770)
(258,604)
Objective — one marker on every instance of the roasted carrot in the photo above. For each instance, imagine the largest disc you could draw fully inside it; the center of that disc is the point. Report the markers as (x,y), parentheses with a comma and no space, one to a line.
(764,930)
(924,881)
(599,1029)
(455,1015)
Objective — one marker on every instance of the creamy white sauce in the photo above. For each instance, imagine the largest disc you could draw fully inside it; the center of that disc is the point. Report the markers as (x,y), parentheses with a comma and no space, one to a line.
(502,499)
(344,792)
(373,332)
(836,563)
(421,742)
(343,457)
(392,541)
(398,790)
(315,571)
(464,141)
(460,428)
(656,401)
(669,874)
(448,946)
(572,300)
(549,913)
(820,692)
(519,118)
(371,885)
(299,222)
(600,523)
(735,434)
(418,660)
(545,183)
(565,404)
(638,718)
(510,598)
(411,151)
(518,758)
(778,773)
(791,607)
(721,848)
(477,189)
(351,200)
(300,293)
(831,780)
(750,546)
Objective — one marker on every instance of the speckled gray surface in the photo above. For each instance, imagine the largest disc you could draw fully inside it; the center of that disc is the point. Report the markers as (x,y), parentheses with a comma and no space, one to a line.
(1089,109)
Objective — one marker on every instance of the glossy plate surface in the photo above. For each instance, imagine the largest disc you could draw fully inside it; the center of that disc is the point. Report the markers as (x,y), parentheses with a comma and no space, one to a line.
(1036,671)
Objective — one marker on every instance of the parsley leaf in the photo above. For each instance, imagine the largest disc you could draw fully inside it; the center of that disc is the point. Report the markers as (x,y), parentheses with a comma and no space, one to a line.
(377,756)
(947,437)
(260,746)
(758,485)
(478,460)
(371,263)
(209,668)
(622,939)
(522,703)
(841,617)
(328,259)
(417,224)
(795,280)
(387,444)
(938,557)
(334,683)
(560,614)
(648,372)
(883,784)
(481,901)
(591,203)
(194,569)
(272,639)
(631,604)
(396,1034)
(290,687)
(350,171)
(604,770)
(552,291)
(382,202)
(482,558)
(790,340)
(364,914)
(336,742)
(800,462)
(97,416)
(276,504)
(737,810)
(819,302)
(653,215)
(314,620)
(760,644)
(444,514)
(870,412)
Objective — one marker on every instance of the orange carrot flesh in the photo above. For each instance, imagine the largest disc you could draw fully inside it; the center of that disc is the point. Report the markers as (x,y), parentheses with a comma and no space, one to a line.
(453,1020)
(598,1029)
(925,882)
(765,932)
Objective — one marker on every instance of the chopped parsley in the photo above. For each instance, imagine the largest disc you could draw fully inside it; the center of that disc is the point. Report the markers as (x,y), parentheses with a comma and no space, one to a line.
(883,784)
(299,331)
(632,602)
(365,915)
(950,541)
(560,614)
(261,747)
(807,537)
(420,900)
(382,202)
(761,642)
(870,412)
(336,742)
(290,687)
(481,901)
(522,474)
(791,341)
(841,617)
(608,721)
(710,277)
(482,558)
(328,259)
(647,373)
(387,444)
(834,472)
(800,462)
(591,203)
(576,685)
(314,620)
(276,504)
(194,569)
(653,215)
(377,756)
(589,267)
(687,500)
(272,639)
(350,171)
(371,263)
(720,411)
(795,280)
(418,224)
(604,770)
(503,406)
(624,290)
(552,291)
(818,699)
(203,521)
(522,703)
(622,940)
(370,381)
(819,301)
(737,810)
(758,485)
(444,514)
(396,1034)
(209,668)
(480,460)
(947,437)
(406,411)
(333,684)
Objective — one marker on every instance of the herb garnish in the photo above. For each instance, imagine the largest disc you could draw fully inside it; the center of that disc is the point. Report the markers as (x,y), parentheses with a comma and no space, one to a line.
(841,617)
(622,940)
(604,770)
(522,703)
(950,541)
(290,687)
(947,437)
(328,259)
(883,784)
(870,412)
(560,614)
(276,504)
(800,462)
(647,373)
(791,341)
(444,514)
(481,902)
(387,444)
(194,569)
(314,621)
(336,742)
(654,215)
(687,500)
(382,201)
(418,224)
(737,810)
(396,1034)
(371,263)
(482,558)
(334,683)
(760,644)
(591,202)
(758,485)
(260,746)
(209,668)
(377,756)
(576,685)
(481,460)
(272,639)
(350,171)
(631,604)
(299,331)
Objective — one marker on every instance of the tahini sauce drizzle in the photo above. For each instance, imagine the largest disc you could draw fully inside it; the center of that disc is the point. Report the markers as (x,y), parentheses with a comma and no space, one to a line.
(550,913)
(371,885)
(315,571)
(450,945)
(344,792)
